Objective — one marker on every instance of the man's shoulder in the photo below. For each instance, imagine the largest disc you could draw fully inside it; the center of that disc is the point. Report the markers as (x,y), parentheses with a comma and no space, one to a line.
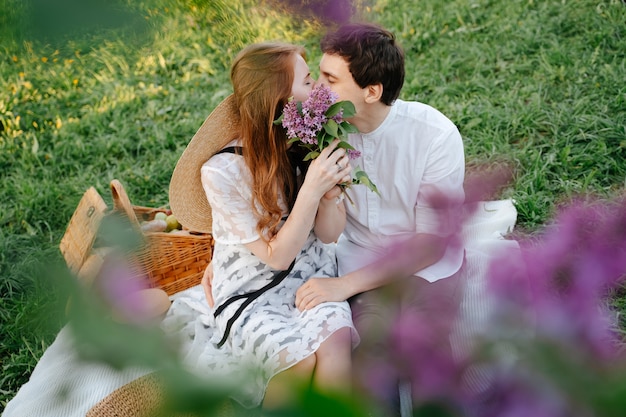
(422,113)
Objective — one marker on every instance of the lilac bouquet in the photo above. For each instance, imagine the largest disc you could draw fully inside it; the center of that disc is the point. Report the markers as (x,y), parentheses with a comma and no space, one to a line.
(319,120)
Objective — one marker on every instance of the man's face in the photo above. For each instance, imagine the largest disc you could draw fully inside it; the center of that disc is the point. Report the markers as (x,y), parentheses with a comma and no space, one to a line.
(334,73)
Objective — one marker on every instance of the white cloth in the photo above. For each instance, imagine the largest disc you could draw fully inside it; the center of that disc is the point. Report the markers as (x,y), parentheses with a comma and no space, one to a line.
(415,155)
(484,236)
(64,385)
(271,334)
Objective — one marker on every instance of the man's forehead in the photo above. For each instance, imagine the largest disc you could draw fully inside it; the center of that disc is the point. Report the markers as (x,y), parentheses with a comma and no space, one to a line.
(333,63)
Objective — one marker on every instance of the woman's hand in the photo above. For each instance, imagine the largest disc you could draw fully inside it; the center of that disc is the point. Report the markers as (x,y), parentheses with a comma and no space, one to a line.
(330,168)
(207,284)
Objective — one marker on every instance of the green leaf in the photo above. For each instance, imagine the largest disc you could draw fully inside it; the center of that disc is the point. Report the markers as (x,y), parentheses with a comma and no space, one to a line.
(361,177)
(280,119)
(345,145)
(350,128)
(311,155)
(331,128)
(348,108)
(334,109)
(326,141)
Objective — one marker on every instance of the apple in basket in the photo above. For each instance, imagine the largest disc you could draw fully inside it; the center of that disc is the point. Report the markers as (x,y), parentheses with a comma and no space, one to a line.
(162,222)
(172,223)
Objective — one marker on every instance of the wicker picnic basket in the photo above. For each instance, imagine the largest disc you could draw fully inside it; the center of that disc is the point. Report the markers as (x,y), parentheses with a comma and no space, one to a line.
(147,397)
(170,261)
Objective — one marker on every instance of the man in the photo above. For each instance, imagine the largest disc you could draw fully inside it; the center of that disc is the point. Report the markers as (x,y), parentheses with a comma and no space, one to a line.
(414,155)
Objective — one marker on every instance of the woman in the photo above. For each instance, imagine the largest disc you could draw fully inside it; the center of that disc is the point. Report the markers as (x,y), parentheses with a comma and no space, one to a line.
(270,220)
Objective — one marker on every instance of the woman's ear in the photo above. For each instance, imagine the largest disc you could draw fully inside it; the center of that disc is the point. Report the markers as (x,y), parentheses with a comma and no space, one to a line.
(373,93)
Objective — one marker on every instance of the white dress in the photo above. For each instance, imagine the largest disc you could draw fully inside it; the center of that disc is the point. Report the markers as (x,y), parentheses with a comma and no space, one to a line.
(271,334)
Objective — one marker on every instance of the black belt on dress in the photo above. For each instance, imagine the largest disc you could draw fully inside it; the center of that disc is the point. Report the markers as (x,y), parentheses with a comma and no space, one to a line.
(250,297)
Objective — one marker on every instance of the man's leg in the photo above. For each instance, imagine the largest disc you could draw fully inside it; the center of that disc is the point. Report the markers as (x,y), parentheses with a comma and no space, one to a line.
(374,314)
(373,372)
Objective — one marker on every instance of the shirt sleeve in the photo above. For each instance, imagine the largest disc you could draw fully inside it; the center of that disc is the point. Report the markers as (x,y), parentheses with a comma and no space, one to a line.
(441,193)
(230,198)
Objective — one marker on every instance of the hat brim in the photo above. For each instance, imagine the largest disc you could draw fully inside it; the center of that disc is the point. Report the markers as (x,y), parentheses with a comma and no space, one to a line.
(187,197)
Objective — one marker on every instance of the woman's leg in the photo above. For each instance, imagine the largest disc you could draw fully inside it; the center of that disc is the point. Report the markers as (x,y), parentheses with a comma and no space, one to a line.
(282,388)
(333,371)
(329,368)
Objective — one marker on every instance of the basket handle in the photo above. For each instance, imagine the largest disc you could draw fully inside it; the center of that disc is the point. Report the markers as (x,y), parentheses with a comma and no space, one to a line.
(121,202)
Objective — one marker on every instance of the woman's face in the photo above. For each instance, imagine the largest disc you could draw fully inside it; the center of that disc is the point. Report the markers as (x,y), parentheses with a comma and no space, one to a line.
(302,81)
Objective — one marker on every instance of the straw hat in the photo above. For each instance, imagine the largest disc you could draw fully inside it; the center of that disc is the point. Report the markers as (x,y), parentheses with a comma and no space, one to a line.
(187,197)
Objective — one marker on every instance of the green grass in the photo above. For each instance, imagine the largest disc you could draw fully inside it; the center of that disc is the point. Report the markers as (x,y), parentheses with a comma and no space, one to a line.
(536,83)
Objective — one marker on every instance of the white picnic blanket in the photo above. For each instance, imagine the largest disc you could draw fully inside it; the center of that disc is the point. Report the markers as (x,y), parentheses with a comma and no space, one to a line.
(64,385)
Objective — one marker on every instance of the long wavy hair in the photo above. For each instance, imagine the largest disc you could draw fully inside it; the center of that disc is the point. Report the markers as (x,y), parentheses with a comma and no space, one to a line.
(262,75)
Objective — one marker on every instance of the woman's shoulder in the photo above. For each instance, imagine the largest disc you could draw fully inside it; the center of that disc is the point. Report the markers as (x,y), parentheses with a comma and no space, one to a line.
(225,167)
(223,161)
(227,162)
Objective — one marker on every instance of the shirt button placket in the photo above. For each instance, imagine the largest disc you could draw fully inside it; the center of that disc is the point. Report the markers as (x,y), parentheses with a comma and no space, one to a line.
(372,215)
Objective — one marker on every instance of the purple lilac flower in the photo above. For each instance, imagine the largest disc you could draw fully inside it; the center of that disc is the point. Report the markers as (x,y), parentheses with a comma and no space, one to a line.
(296,127)
(305,125)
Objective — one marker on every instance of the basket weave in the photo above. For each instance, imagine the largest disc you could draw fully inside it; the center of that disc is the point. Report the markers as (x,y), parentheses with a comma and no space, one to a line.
(145,397)
(174,262)
(170,261)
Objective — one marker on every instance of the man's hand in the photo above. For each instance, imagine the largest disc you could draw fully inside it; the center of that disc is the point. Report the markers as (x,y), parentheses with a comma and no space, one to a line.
(320,290)
(207,280)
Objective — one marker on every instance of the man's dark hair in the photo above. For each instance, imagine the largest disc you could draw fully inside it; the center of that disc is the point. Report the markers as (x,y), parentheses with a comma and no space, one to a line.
(373,56)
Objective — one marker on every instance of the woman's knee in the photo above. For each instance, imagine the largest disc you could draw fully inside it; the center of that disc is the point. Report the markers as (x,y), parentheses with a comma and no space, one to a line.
(306,366)
(339,341)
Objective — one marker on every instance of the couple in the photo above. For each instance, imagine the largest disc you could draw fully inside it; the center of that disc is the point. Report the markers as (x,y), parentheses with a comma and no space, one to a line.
(278,302)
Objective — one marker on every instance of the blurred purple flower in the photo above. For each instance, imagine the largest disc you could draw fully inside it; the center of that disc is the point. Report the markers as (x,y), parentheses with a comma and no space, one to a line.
(569,273)
(551,346)
(422,351)
(327,11)
(521,394)
(121,289)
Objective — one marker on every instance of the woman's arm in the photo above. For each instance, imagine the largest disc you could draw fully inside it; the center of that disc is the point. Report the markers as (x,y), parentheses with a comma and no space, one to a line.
(331,216)
(322,175)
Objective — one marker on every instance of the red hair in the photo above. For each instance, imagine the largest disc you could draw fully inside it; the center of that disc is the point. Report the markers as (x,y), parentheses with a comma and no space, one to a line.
(262,75)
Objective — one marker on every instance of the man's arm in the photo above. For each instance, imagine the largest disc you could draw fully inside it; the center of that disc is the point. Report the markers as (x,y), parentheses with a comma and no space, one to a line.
(409,257)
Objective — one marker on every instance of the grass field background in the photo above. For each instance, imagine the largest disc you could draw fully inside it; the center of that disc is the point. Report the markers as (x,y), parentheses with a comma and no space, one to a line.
(91,91)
